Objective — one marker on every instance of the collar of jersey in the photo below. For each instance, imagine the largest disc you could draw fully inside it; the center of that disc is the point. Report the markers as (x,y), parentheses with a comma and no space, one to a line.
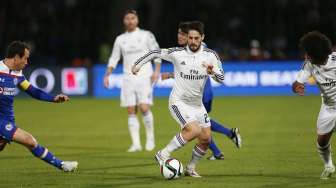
(198,51)
(135,30)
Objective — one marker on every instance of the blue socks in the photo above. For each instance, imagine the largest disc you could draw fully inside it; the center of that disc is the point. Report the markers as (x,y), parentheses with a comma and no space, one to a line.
(215,150)
(216,127)
(43,153)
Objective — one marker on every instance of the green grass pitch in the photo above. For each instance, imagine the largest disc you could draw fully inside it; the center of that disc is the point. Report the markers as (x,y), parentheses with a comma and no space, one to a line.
(278,145)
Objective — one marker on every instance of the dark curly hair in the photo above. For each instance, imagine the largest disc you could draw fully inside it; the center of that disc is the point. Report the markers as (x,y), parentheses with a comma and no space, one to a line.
(317,46)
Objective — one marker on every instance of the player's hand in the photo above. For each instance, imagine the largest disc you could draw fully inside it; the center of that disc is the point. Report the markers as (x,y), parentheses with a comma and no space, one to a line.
(166,75)
(61,98)
(155,77)
(209,68)
(106,81)
(135,70)
(298,88)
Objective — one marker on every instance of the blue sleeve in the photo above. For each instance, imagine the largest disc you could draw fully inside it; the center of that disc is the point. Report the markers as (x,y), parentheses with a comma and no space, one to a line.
(39,94)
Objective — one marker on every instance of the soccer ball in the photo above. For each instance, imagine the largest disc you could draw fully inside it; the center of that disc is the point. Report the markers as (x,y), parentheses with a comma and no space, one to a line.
(171,169)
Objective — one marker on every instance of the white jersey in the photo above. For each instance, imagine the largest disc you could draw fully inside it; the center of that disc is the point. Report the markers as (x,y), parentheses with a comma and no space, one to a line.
(131,46)
(325,76)
(189,71)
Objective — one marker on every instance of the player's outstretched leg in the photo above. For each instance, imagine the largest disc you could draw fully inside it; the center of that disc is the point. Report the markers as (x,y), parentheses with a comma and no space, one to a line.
(233,133)
(198,152)
(324,149)
(26,139)
(216,153)
(189,132)
(134,130)
(148,121)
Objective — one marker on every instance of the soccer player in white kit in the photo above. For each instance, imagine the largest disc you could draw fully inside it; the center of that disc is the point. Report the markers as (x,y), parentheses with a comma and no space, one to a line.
(192,66)
(136,91)
(320,63)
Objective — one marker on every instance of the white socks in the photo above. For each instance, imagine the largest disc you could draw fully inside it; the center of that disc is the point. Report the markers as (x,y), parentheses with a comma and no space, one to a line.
(325,154)
(197,155)
(148,121)
(176,143)
(133,127)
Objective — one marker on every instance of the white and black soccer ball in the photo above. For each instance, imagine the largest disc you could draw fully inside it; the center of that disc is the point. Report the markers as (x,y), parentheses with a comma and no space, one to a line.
(171,169)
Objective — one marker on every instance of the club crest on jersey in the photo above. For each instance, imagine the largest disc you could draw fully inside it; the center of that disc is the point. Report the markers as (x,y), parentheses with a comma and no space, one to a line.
(15,80)
(9,127)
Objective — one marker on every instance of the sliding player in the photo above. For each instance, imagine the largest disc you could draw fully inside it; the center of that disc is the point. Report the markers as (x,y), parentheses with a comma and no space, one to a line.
(192,66)
(320,63)
(10,77)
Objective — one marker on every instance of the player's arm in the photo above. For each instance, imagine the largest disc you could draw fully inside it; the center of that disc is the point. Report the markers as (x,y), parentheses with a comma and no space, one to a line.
(113,61)
(215,70)
(153,45)
(160,53)
(303,76)
(41,95)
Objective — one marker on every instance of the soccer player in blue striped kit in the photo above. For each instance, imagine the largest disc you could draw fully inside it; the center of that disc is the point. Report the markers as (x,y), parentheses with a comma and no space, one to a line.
(233,134)
(11,77)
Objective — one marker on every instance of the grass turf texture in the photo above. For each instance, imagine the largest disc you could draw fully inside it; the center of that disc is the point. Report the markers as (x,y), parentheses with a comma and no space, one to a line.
(278,145)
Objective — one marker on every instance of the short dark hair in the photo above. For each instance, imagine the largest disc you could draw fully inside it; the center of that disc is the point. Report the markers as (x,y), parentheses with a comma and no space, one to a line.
(16,48)
(183,26)
(196,25)
(317,46)
(131,11)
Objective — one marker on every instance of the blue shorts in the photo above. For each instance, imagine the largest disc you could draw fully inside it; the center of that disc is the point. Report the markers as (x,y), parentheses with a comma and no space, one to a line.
(7,129)
(208,105)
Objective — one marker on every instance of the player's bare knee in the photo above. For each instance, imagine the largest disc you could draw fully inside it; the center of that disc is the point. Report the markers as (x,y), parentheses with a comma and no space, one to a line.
(144,108)
(131,110)
(30,141)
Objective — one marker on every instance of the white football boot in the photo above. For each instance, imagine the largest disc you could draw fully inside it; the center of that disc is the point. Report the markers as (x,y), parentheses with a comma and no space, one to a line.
(69,166)
(327,172)
(134,148)
(150,145)
(160,158)
(236,138)
(192,173)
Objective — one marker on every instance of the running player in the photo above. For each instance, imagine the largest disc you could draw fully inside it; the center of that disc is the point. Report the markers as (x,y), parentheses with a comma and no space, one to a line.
(11,77)
(320,63)
(136,91)
(233,134)
(192,66)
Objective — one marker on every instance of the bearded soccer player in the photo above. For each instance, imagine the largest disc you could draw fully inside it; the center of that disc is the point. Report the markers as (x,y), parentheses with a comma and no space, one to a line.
(233,134)
(192,66)
(136,91)
(320,63)
(11,77)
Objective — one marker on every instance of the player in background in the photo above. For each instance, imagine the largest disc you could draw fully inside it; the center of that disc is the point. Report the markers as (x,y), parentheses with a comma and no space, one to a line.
(136,91)
(192,66)
(233,134)
(11,77)
(320,63)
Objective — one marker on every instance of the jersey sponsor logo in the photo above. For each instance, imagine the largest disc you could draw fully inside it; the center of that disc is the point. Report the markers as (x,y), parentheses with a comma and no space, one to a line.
(9,127)
(183,63)
(9,91)
(193,76)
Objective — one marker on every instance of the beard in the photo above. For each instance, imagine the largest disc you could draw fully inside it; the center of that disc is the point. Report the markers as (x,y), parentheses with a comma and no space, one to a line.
(194,48)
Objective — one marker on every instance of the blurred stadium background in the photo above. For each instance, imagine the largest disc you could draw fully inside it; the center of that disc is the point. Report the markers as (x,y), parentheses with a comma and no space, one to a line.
(250,36)
(257,39)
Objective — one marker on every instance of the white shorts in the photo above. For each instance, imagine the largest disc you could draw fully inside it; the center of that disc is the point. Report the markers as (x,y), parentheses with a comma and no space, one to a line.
(326,120)
(135,91)
(184,114)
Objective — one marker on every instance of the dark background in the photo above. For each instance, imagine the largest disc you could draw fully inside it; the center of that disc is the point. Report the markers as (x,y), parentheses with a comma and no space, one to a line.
(81,32)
